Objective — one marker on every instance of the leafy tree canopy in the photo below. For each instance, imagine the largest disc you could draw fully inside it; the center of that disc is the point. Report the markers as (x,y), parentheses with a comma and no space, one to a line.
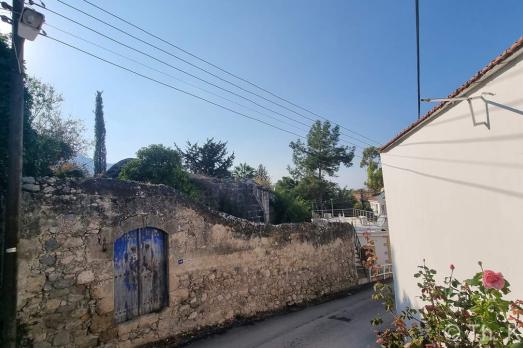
(321,154)
(289,208)
(244,171)
(47,119)
(371,160)
(49,139)
(285,184)
(262,177)
(158,164)
(319,157)
(211,158)
(370,155)
(288,205)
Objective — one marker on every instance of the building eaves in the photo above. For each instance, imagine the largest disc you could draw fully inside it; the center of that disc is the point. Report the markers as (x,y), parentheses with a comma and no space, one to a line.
(479,76)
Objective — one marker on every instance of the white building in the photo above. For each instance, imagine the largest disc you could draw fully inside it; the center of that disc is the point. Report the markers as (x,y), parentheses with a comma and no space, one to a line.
(454,182)
(377,204)
(367,225)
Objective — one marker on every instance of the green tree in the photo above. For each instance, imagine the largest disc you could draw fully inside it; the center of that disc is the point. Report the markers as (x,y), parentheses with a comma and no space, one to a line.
(262,177)
(49,139)
(47,120)
(314,190)
(342,198)
(371,160)
(362,202)
(363,205)
(286,184)
(294,198)
(100,153)
(320,156)
(244,171)
(158,164)
(209,159)
(288,205)
(289,208)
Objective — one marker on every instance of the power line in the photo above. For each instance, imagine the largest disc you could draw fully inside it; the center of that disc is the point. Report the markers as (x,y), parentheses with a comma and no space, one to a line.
(172,66)
(417,58)
(185,82)
(171,86)
(220,68)
(178,79)
(202,69)
(175,88)
(170,76)
(181,70)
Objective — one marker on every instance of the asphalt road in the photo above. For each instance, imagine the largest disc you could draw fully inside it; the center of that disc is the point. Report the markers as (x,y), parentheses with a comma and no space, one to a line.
(342,323)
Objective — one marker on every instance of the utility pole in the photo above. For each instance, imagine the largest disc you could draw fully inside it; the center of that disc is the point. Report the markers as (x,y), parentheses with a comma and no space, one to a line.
(417,58)
(15,147)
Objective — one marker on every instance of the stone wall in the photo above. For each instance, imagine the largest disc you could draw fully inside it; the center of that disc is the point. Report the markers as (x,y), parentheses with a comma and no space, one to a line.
(240,198)
(231,267)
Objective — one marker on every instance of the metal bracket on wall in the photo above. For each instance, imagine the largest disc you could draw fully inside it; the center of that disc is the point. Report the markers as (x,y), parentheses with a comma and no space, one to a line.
(474,121)
(469,101)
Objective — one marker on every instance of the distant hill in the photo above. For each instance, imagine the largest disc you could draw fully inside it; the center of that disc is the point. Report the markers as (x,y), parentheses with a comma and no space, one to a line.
(87,163)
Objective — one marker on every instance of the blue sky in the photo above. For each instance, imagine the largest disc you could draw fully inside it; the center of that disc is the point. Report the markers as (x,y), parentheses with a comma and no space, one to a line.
(351,61)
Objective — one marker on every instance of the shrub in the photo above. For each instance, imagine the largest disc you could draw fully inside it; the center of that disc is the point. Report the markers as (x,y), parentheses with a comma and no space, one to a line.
(288,208)
(69,170)
(472,313)
(158,164)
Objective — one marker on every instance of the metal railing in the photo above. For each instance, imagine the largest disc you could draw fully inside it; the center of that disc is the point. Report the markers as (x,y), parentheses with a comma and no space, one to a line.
(383,271)
(350,212)
(357,258)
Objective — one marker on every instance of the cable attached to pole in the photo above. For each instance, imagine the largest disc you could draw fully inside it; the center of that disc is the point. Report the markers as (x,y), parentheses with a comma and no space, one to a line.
(207,71)
(172,87)
(417,58)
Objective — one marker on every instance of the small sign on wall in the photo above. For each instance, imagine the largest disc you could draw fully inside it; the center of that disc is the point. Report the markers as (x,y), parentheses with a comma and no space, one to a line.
(180,261)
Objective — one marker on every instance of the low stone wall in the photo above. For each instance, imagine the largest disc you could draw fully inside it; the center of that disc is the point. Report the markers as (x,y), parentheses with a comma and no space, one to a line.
(240,198)
(219,267)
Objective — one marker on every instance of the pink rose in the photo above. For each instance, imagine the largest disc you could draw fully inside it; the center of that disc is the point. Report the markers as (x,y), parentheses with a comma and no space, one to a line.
(493,279)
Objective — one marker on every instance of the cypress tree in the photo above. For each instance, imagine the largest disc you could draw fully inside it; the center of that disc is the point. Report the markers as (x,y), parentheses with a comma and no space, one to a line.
(100,164)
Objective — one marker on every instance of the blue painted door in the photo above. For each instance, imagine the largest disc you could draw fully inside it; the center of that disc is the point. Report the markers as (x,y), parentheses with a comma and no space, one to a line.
(126,277)
(140,268)
(153,270)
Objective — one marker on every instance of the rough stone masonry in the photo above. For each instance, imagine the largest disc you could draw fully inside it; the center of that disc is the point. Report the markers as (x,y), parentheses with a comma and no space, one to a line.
(219,267)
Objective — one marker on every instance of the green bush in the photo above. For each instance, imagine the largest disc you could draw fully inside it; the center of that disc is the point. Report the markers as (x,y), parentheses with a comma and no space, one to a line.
(158,164)
(288,208)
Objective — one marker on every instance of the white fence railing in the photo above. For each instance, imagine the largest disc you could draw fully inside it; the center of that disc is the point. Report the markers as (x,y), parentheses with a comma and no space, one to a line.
(383,271)
(350,212)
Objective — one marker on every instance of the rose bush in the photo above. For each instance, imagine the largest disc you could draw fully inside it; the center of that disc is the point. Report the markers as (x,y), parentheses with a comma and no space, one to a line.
(472,313)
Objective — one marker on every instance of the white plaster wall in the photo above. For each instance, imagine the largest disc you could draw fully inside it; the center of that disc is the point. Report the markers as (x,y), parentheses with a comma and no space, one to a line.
(455,191)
